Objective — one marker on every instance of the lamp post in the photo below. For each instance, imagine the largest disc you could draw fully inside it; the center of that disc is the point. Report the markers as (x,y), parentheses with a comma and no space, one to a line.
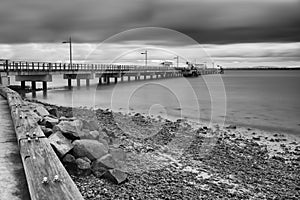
(177,60)
(146,56)
(70,42)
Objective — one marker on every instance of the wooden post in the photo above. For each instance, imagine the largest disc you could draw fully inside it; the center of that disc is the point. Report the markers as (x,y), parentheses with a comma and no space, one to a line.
(87,82)
(45,88)
(100,81)
(69,83)
(116,80)
(33,88)
(78,82)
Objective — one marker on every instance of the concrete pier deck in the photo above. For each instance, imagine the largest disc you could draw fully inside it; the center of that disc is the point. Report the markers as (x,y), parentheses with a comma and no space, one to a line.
(13,185)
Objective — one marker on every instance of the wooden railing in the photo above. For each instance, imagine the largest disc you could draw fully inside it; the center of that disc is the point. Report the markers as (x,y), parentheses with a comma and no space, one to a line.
(18,66)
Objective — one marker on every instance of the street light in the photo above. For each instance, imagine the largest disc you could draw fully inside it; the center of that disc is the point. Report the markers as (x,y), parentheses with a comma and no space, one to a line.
(70,42)
(177,60)
(146,54)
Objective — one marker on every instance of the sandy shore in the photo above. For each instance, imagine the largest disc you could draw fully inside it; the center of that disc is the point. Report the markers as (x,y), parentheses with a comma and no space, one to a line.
(184,160)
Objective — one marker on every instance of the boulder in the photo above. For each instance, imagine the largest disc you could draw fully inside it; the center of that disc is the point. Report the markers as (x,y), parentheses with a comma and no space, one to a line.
(54,112)
(102,135)
(71,129)
(89,148)
(63,118)
(101,165)
(78,123)
(116,175)
(94,135)
(61,144)
(47,131)
(70,164)
(50,121)
(69,158)
(87,159)
(92,125)
(40,110)
(84,134)
(104,142)
(83,166)
(105,161)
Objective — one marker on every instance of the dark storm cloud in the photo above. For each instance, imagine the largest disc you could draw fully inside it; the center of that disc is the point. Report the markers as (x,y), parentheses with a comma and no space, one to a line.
(214,21)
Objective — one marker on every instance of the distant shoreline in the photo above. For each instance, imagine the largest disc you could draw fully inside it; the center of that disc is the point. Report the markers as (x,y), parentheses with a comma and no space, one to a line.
(258,68)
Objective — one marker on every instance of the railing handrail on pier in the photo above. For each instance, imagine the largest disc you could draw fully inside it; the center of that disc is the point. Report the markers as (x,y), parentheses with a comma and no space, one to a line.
(24,66)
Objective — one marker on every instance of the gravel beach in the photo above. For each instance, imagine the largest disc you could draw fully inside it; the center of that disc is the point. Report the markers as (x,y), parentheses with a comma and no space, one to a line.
(176,160)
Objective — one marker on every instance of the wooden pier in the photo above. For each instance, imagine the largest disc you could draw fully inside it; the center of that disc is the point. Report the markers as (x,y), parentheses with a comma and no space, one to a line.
(105,73)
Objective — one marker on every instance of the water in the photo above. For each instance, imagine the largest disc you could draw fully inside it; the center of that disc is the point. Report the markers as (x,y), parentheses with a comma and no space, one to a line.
(262,99)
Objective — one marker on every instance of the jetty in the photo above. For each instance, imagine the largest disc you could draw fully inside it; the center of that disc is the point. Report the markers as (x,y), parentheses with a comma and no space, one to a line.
(105,73)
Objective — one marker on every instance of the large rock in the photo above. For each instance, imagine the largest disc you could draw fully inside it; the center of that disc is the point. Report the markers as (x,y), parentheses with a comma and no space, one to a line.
(69,158)
(83,166)
(87,134)
(70,164)
(105,161)
(116,175)
(104,142)
(102,135)
(47,131)
(50,122)
(91,125)
(89,148)
(101,165)
(61,144)
(54,112)
(94,135)
(71,129)
(40,110)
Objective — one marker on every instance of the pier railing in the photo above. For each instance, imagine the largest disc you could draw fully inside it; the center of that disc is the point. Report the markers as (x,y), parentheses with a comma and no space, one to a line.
(18,66)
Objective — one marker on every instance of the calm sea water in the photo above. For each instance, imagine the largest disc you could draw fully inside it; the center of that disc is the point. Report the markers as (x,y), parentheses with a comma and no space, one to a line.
(262,99)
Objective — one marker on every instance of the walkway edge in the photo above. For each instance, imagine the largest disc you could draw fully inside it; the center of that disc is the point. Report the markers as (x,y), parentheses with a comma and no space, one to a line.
(46,177)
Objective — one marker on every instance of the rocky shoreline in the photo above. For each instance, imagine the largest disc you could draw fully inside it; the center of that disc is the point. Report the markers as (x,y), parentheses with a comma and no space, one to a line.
(117,156)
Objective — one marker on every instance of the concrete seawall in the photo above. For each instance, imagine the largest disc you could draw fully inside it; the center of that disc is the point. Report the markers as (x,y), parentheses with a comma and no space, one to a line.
(45,175)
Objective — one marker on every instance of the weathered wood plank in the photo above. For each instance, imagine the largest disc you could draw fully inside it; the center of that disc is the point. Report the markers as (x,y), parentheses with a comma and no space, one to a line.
(40,161)
(38,157)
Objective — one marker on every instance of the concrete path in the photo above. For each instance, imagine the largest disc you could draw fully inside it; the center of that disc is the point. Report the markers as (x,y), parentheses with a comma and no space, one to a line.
(13,185)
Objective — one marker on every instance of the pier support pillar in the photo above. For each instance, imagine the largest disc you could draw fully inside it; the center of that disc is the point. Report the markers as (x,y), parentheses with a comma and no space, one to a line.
(33,88)
(122,78)
(45,88)
(135,78)
(108,80)
(116,80)
(145,77)
(69,83)
(23,88)
(87,82)
(23,85)
(78,82)
(128,77)
(100,81)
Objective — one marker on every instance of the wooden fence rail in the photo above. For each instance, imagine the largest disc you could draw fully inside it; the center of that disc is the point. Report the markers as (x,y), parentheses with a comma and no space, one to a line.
(39,159)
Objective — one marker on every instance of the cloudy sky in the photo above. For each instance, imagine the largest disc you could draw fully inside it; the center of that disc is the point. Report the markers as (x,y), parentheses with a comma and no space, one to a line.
(234,33)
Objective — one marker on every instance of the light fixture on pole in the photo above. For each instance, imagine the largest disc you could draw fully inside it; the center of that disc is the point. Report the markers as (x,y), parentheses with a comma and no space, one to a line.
(69,42)
(177,60)
(146,56)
